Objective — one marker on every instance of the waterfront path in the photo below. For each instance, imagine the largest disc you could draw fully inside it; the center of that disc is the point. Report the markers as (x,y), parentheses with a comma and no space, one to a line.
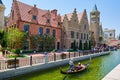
(114,74)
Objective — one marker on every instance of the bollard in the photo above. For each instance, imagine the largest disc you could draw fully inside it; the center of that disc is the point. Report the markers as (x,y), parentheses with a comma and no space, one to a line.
(69,54)
(30,60)
(54,57)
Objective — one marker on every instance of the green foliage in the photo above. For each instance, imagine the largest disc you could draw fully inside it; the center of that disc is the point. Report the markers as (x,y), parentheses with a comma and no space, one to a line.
(15,38)
(45,42)
(3,39)
(74,45)
(90,45)
(15,56)
(71,50)
(17,51)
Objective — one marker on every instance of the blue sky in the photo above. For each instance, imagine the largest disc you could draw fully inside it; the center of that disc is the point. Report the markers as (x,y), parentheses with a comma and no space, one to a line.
(110,9)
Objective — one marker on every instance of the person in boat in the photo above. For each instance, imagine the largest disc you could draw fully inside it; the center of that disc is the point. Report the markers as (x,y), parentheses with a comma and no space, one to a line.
(79,66)
(71,64)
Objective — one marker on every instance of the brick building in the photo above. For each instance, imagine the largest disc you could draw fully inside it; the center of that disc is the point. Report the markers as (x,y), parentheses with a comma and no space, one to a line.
(35,21)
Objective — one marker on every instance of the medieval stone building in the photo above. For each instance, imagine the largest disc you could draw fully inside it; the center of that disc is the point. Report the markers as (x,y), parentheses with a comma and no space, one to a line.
(96,26)
(75,30)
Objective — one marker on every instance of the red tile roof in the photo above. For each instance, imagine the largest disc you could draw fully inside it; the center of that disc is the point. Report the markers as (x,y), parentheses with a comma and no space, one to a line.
(25,15)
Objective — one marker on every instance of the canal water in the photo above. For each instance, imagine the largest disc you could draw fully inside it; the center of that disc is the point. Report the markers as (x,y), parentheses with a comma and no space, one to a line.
(98,68)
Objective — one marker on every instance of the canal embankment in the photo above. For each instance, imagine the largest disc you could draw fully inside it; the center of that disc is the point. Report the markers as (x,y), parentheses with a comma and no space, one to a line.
(27,69)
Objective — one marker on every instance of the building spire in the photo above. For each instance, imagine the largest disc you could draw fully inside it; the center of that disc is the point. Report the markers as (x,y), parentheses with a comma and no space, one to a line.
(1,2)
(95,8)
(75,10)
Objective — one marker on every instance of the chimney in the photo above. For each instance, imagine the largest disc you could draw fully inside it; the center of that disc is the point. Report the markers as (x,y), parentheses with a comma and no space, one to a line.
(35,5)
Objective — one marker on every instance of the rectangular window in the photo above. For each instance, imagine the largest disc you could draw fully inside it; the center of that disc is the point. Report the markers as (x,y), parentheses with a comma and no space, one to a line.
(40,31)
(81,35)
(84,36)
(54,33)
(26,28)
(87,36)
(77,35)
(34,17)
(48,31)
(72,34)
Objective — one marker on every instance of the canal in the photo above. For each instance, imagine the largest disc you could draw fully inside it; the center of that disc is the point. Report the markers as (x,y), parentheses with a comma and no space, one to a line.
(98,68)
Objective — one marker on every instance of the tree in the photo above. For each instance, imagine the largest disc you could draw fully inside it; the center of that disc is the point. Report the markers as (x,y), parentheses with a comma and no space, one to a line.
(90,45)
(3,35)
(15,38)
(74,45)
(44,42)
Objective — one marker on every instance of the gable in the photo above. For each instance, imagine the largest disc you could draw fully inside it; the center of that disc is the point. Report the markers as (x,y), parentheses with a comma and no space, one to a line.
(26,12)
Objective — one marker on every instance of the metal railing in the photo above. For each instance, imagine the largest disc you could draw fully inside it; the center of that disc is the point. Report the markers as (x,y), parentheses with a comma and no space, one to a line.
(29,61)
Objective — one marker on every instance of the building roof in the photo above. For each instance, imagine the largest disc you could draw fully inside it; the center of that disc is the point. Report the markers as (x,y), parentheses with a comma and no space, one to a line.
(25,16)
(69,16)
(80,16)
(1,2)
(109,30)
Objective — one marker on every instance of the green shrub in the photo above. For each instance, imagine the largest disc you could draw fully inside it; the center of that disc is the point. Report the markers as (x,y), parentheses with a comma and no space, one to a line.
(17,51)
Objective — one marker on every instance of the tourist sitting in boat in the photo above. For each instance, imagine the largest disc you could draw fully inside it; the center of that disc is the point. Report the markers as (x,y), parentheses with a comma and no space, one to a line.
(79,66)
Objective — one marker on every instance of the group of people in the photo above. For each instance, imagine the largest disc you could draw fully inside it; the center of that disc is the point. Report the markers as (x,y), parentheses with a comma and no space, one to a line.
(74,68)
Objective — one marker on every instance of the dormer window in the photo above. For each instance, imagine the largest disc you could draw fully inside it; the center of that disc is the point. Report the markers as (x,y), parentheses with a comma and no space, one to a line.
(34,17)
(48,21)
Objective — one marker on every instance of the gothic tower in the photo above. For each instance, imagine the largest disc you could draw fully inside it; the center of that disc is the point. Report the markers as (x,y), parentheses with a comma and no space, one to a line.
(94,23)
(2,9)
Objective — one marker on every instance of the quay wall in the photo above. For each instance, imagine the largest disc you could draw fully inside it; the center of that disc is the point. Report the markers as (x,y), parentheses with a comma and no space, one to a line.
(4,74)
